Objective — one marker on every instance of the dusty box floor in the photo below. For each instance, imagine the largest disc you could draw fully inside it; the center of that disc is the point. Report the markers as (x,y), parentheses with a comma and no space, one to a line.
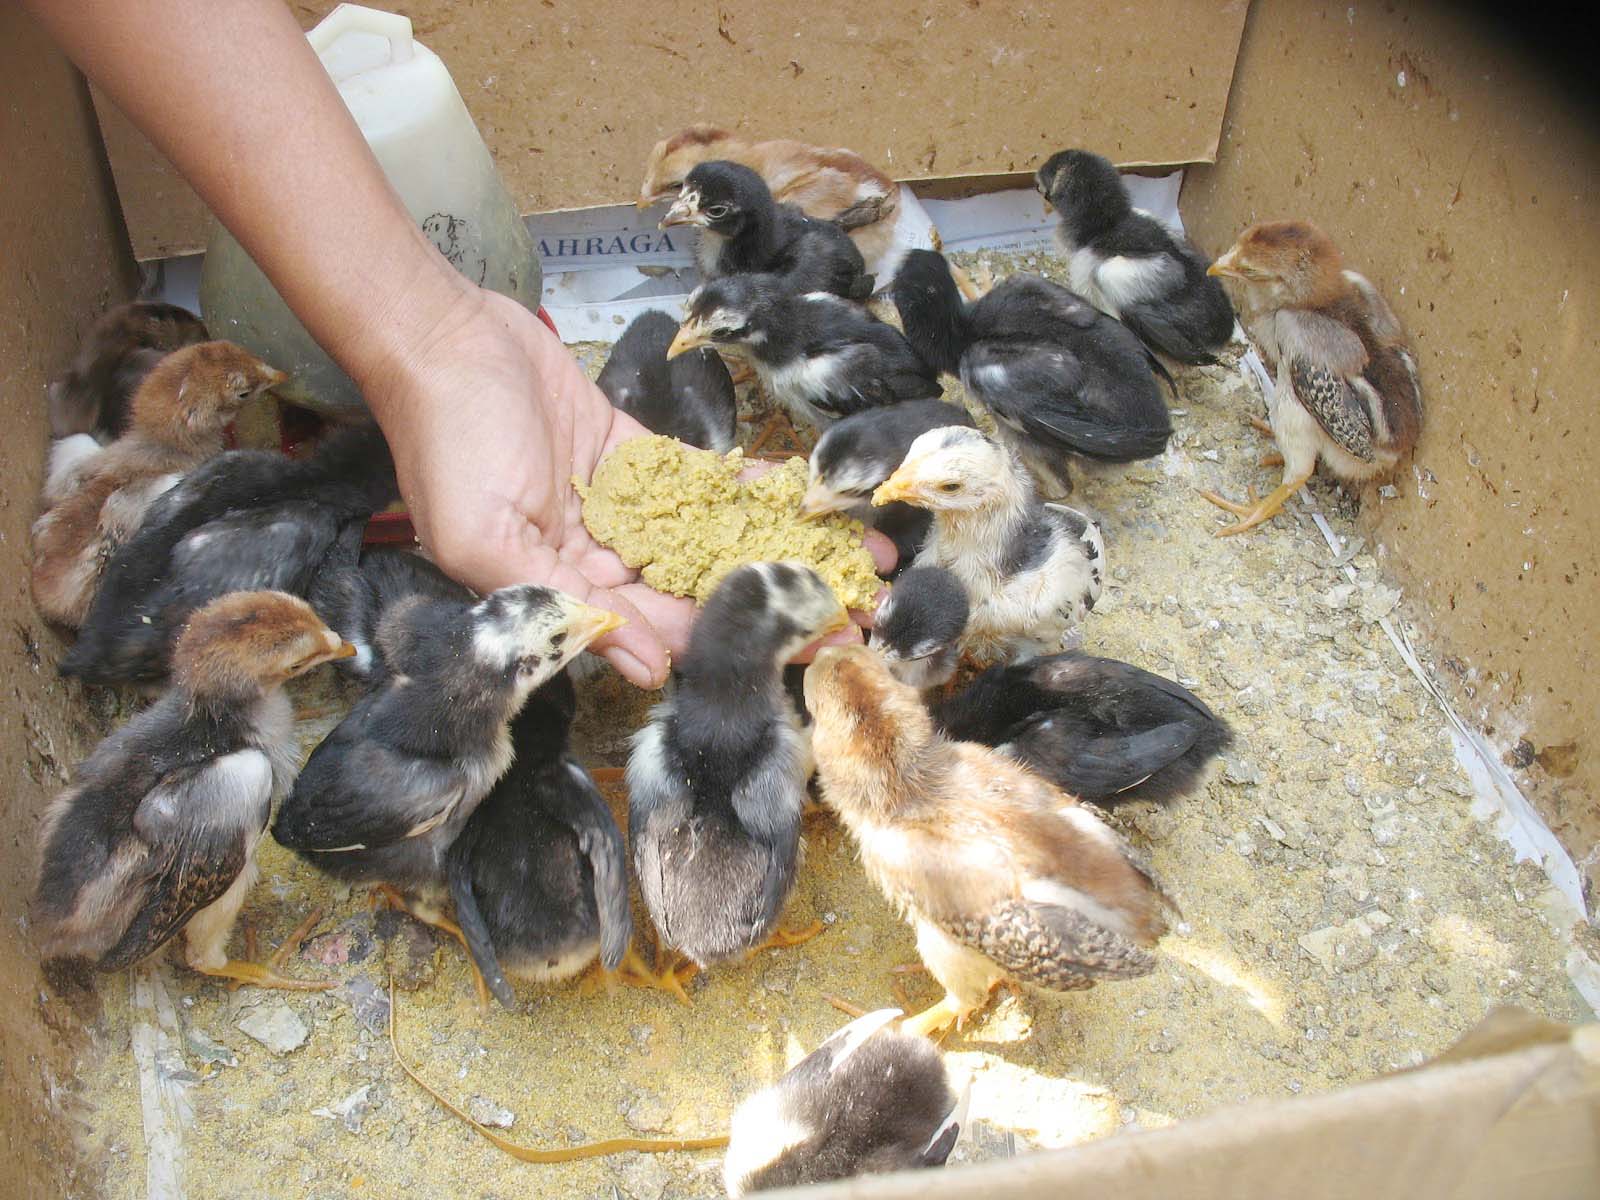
(1345,915)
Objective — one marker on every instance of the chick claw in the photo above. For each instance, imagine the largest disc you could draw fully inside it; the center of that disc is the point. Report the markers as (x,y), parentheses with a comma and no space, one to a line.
(1262,427)
(782,939)
(635,973)
(1256,512)
(939,1019)
(266,974)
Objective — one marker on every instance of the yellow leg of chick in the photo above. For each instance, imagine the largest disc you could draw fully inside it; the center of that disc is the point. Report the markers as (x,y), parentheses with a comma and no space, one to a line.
(1256,512)
(939,1019)
(263,976)
(281,955)
(1263,427)
(782,939)
(634,972)
(385,896)
(1271,459)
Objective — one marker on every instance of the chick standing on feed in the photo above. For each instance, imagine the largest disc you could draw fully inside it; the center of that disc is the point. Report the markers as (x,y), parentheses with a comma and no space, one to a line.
(1003,876)
(1345,382)
(717,777)
(94,497)
(1032,571)
(158,831)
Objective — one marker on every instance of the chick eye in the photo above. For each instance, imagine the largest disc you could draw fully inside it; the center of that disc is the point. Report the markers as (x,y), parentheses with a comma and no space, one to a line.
(717,211)
(728,333)
(950,486)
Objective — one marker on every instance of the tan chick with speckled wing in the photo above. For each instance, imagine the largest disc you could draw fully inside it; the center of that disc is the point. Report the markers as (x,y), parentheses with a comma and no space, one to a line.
(835,185)
(94,497)
(1004,877)
(1346,388)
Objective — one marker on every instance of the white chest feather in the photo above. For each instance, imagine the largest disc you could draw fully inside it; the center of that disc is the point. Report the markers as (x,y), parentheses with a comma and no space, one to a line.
(707,250)
(801,384)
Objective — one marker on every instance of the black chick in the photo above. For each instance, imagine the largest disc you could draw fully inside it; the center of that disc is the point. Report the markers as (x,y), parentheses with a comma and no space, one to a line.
(745,231)
(1098,728)
(1130,265)
(354,599)
(247,520)
(539,876)
(918,627)
(869,1100)
(717,777)
(93,394)
(1059,377)
(854,455)
(690,398)
(381,799)
(817,355)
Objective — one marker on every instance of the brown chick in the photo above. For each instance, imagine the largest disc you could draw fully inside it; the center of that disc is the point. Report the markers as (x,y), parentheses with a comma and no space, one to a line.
(93,394)
(94,498)
(157,832)
(1346,387)
(1003,876)
(834,185)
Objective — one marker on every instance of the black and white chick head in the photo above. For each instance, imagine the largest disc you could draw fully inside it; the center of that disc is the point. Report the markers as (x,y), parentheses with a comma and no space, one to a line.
(918,626)
(726,198)
(690,398)
(857,453)
(1131,266)
(717,776)
(384,795)
(868,1101)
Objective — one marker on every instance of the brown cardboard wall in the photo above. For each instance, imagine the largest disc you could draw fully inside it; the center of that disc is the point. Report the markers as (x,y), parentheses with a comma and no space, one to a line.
(65,259)
(1452,174)
(571,94)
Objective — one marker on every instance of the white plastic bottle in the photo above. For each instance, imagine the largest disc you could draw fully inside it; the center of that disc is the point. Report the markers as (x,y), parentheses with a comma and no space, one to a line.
(411,114)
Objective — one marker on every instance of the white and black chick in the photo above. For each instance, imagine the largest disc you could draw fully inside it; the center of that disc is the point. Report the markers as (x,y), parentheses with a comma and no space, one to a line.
(1128,264)
(744,231)
(868,1101)
(857,453)
(820,357)
(717,777)
(690,398)
(1060,377)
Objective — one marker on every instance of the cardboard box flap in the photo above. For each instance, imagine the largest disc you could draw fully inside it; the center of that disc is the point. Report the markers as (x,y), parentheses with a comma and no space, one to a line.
(1505,1112)
(571,95)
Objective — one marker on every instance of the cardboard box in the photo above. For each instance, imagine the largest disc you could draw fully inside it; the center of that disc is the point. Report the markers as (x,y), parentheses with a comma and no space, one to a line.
(1462,178)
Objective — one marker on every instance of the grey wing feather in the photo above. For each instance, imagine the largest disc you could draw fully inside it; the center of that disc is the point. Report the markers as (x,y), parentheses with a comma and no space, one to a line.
(1337,406)
(601,843)
(767,802)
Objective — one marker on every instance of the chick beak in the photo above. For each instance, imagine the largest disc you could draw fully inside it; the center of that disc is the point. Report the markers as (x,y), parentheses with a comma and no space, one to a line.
(1228,264)
(588,624)
(817,501)
(691,336)
(345,650)
(899,486)
(683,212)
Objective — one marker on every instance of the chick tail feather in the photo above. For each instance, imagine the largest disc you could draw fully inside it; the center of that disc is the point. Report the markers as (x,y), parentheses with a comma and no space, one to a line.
(475,932)
(1156,330)
(1102,768)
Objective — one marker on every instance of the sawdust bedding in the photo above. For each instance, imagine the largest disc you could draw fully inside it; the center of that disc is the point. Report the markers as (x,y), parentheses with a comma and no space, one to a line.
(1345,916)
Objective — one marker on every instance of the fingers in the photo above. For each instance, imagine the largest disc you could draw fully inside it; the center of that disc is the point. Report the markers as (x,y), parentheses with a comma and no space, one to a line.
(884,554)
(849,636)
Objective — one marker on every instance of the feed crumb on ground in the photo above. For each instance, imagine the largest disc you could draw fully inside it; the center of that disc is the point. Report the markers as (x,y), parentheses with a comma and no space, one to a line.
(1346,915)
(685,518)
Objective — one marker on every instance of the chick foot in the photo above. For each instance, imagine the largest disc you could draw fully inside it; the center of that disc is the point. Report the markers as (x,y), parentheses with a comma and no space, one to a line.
(1255,511)
(384,896)
(777,422)
(782,939)
(238,973)
(634,972)
(1261,426)
(944,1016)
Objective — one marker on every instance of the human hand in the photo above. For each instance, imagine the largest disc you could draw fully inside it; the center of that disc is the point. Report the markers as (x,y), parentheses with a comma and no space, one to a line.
(489,418)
